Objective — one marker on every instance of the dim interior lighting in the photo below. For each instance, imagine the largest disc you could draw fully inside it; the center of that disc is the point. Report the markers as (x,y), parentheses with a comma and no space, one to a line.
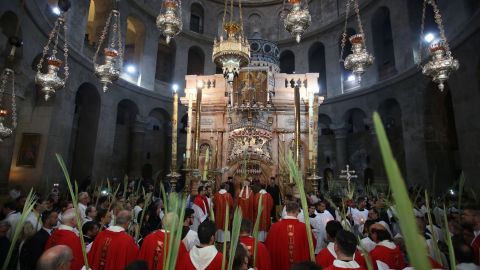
(452,192)
(175,88)
(104,192)
(351,78)
(429,37)
(56,10)
(131,69)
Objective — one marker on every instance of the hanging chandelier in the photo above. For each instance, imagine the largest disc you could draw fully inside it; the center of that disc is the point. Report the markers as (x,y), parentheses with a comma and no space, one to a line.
(441,63)
(50,82)
(231,53)
(110,70)
(7,80)
(359,59)
(169,21)
(298,19)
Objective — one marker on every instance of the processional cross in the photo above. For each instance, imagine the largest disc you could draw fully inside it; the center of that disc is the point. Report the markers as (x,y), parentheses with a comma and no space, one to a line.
(348,174)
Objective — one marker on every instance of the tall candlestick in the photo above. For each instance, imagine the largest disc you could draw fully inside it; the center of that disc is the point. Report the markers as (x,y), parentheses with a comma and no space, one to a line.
(310,128)
(296,97)
(174,132)
(189,129)
(205,165)
(198,117)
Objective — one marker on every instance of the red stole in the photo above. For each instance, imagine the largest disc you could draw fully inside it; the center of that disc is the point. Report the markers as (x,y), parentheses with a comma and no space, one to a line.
(287,243)
(71,240)
(245,202)
(393,257)
(203,204)
(263,257)
(267,205)
(153,247)
(221,202)
(112,250)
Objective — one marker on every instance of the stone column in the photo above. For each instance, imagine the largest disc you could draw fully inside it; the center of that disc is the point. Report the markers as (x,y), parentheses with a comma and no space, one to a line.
(334,81)
(137,150)
(340,132)
(76,23)
(149,59)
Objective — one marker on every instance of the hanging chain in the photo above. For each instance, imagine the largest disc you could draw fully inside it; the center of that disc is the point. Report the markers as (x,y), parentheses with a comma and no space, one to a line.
(47,46)
(116,25)
(344,34)
(231,10)
(3,86)
(65,51)
(102,37)
(422,29)
(224,15)
(439,21)
(241,19)
(360,26)
(14,104)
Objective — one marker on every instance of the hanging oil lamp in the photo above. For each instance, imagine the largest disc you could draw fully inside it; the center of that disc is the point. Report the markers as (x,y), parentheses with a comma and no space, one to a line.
(110,70)
(359,59)
(441,64)
(7,79)
(298,19)
(169,21)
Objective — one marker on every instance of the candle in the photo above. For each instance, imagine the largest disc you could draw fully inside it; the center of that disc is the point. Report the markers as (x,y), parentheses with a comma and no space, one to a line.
(205,167)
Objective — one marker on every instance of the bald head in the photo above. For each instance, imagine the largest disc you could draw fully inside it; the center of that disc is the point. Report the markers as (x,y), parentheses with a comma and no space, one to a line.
(123,218)
(56,258)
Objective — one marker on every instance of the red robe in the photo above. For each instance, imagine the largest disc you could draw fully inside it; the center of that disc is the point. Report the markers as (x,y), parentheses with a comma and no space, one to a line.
(215,264)
(245,202)
(203,204)
(70,239)
(153,248)
(393,257)
(326,258)
(287,243)
(112,250)
(263,257)
(267,203)
(434,264)
(476,249)
(221,201)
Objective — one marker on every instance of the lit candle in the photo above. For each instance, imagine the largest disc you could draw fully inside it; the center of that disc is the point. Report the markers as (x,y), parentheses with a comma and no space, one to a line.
(205,167)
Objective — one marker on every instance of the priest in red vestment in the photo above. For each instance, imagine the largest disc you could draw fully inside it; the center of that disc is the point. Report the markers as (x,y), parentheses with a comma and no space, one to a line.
(328,255)
(287,240)
(263,257)
(204,256)
(221,200)
(200,208)
(345,248)
(385,252)
(113,248)
(265,217)
(154,245)
(65,235)
(246,200)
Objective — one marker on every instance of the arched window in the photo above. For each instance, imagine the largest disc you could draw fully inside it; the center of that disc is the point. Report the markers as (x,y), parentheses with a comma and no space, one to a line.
(134,41)
(316,63)
(254,26)
(8,26)
(165,61)
(97,15)
(287,62)
(196,61)
(196,18)
(383,43)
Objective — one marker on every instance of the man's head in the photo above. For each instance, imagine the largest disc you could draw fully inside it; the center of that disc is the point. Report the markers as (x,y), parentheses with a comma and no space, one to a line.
(332,228)
(201,191)
(345,244)
(208,191)
(123,218)
(56,258)
(49,219)
(361,203)
(91,212)
(471,216)
(373,214)
(246,227)
(141,201)
(223,186)
(83,198)
(206,233)
(311,209)
(103,216)
(321,206)
(379,233)
(188,218)
(69,218)
(292,209)
(90,229)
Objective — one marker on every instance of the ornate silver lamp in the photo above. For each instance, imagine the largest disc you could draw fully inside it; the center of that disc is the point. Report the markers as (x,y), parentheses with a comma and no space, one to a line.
(169,21)
(50,82)
(233,52)
(441,63)
(110,70)
(298,19)
(8,79)
(359,59)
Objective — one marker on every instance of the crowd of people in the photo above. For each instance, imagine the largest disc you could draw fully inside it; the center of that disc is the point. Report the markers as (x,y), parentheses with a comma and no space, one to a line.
(130,231)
